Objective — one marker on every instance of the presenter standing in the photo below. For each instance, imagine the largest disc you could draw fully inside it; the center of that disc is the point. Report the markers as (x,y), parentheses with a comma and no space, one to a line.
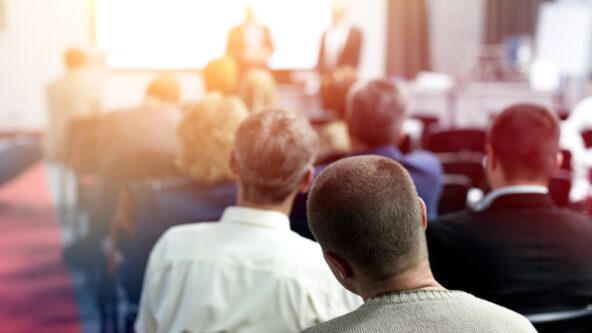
(341,44)
(250,43)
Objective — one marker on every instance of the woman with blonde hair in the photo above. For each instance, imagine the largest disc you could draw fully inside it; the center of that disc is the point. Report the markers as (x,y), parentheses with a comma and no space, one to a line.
(207,134)
(258,90)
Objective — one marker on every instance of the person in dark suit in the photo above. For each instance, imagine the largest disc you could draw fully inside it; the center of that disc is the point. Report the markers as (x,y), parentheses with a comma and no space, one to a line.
(341,44)
(516,248)
(250,43)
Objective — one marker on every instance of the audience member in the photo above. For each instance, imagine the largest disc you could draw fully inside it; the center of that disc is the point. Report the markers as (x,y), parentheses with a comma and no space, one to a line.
(335,86)
(258,90)
(207,133)
(76,95)
(128,132)
(341,44)
(248,272)
(17,154)
(250,43)
(221,75)
(366,214)
(516,248)
(374,117)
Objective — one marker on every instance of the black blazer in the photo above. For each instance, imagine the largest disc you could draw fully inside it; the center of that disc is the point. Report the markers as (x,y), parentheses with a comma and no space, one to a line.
(522,252)
(350,55)
(235,45)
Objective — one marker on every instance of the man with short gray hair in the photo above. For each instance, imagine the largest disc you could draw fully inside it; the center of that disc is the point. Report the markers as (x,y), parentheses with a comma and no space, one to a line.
(249,272)
(366,214)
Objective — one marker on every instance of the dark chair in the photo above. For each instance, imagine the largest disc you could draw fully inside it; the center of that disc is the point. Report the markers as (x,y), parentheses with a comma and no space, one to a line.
(456,140)
(454,194)
(559,188)
(467,164)
(573,321)
(429,123)
(566,163)
(587,136)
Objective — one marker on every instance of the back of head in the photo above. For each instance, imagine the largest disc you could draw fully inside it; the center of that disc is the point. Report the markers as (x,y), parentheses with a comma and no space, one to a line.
(273,151)
(366,210)
(258,90)
(335,86)
(375,113)
(75,58)
(207,134)
(165,89)
(525,139)
(221,75)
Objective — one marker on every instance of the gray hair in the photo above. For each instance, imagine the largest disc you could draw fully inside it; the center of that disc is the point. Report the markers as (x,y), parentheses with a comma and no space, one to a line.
(273,151)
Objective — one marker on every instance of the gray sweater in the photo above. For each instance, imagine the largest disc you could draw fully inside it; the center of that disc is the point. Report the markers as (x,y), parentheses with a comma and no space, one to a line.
(439,311)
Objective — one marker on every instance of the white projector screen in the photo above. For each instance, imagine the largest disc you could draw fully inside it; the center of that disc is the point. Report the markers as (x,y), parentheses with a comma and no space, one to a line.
(176,34)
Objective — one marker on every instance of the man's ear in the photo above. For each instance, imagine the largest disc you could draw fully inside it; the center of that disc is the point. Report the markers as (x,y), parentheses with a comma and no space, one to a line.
(491,158)
(340,268)
(424,214)
(558,162)
(232,161)
(306,180)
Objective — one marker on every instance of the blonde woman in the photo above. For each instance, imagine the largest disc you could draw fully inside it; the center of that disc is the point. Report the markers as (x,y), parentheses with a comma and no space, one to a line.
(207,134)
(258,90)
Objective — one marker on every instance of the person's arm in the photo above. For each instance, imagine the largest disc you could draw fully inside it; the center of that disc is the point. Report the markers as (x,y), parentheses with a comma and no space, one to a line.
(356,47)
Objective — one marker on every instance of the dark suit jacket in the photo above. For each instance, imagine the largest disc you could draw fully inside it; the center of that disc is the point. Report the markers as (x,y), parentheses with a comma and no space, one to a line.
(350,54)
(235,45)
(522,252)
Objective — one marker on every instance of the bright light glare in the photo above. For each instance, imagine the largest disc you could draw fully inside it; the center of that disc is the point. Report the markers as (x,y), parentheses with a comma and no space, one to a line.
(189,33)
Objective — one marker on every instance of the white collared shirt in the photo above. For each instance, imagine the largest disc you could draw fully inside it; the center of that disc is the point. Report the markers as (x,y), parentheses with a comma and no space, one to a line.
(248,273)
(507,190)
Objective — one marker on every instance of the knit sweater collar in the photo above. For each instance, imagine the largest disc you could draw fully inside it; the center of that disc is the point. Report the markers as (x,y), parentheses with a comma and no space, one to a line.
(419,295)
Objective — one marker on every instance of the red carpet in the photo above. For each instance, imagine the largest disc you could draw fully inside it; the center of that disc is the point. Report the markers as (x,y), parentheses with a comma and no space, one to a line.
(36,293)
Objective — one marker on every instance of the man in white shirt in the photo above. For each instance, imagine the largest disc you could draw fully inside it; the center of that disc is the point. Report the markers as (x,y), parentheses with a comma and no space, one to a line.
(341,44)
(249,272)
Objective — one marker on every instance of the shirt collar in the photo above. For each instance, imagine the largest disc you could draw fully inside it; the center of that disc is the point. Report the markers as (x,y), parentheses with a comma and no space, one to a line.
(517,189)
(256,217)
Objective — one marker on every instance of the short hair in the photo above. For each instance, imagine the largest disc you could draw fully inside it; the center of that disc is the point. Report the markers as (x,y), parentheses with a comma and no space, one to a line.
(165,89)
(221,75)
(375,113)
(258,90)
(335,86)
(366,210)
(525,138)
(273,150)
(207,133)
(75,58)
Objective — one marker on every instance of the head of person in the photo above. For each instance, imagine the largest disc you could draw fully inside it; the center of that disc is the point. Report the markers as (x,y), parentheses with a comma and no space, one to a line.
(335,86)
(249,13)
(523,146)
(273,156)
(207,133)
(258,90)
(339,10)
(375,113)
(221,75)
(164,89)
(366,214)
(75,58)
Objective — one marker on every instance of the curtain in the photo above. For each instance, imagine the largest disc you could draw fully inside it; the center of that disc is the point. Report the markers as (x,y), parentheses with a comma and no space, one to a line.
(408,38)
(506,18)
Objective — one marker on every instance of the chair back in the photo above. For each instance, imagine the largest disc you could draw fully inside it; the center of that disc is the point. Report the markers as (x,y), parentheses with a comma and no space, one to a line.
(454,194)
(456,140)
(572,321)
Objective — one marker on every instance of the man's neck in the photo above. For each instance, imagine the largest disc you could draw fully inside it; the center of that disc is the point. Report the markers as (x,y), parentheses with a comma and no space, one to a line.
(284,207)
(418,278)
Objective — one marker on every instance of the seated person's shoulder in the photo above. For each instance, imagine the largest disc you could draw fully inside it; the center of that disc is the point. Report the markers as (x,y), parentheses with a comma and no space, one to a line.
(485,313)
